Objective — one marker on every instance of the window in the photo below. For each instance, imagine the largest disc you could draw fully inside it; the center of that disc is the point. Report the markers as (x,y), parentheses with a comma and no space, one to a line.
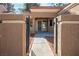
(51,23)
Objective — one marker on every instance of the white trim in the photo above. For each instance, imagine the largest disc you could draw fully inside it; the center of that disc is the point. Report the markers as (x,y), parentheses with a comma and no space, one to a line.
(70,22)
(12,21)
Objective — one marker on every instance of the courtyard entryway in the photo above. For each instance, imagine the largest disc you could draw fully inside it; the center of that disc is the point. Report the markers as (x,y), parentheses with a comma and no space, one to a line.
(42,44)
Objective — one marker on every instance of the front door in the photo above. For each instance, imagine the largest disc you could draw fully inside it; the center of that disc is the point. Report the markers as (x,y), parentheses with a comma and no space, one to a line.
(39,26)
(42,25)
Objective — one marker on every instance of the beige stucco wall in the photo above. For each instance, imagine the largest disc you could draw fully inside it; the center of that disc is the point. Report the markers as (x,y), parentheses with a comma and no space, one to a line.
(33,27)
(42,14)
(50,28)
(12,35)
(68,39)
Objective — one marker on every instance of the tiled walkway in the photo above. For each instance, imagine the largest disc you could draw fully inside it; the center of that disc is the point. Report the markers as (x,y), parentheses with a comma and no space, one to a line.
(40,46)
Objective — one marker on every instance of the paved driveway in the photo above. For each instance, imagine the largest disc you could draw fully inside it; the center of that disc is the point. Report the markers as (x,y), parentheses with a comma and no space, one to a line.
(40,46)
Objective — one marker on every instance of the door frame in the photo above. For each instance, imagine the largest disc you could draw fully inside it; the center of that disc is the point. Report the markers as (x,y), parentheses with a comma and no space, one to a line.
(41,19)
(39,26)
(55,37)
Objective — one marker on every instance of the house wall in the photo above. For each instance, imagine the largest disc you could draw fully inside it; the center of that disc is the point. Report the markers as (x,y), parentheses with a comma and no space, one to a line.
(34,27)
(50,28)
(68,39)
(12,35)
(33,23)
(34,15)
(42,15)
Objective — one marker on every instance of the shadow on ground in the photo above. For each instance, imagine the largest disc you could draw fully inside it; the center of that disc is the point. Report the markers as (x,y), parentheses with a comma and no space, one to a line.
(32,53)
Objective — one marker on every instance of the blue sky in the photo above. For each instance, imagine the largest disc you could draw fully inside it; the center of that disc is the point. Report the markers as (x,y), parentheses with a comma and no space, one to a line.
(17,6)
(45,4)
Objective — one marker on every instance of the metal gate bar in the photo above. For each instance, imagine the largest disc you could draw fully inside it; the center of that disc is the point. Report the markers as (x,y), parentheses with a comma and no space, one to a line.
(27,33)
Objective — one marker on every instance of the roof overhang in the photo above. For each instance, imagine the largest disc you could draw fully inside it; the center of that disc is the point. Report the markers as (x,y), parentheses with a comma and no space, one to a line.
(2,9)
(67,8)
(47,9)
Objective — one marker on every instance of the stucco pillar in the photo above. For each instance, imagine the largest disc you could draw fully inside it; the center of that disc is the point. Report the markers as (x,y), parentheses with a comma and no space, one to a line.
(33,25)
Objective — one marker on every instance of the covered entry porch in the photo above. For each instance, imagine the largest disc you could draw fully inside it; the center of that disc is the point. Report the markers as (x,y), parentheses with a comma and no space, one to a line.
(44,25)
(42,18)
